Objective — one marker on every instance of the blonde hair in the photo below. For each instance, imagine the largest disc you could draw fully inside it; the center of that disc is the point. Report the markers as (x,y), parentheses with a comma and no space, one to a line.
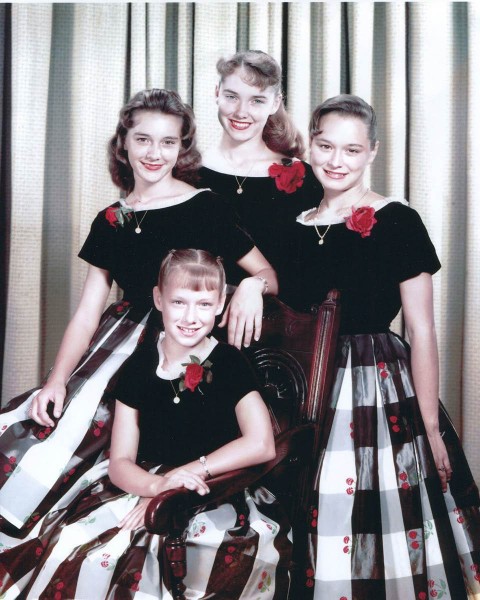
(192,269)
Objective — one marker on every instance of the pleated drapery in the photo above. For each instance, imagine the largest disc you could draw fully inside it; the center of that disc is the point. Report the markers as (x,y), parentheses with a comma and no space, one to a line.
(67,69)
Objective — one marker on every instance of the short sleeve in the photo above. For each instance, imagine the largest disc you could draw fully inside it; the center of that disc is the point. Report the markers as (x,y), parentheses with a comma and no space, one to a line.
(98,248)
(235,373)
(132,379)
(414,251)
(234,241)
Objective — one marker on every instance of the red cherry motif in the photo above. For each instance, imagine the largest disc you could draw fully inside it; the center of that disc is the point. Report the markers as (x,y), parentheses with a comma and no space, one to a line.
(415,545)
(405,485)
(60,585)
(381,365)
(396,428)
(403,476)
(309,583)
(393,419)
(309,572)
(433,593)
(12,460)
(349,491)
(39,551)
(137,576)
(134,587)
(7,468)
(422,596)
(460,520)
(260,585)
(104,563)
(345,550)
(264,574)
(57,596)
(346,539)
(383,374)
(229,559)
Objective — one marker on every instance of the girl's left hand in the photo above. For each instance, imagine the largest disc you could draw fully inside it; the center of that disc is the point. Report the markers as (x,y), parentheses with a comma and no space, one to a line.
(244,313)
(440,455)
(136,517)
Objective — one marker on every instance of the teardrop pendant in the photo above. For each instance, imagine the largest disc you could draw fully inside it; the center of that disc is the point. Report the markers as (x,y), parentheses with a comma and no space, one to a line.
(138,230)
(320,242)
(239,190)
(176,400)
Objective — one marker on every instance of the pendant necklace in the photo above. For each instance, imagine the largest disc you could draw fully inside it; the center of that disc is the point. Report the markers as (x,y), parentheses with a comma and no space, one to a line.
(138,229)
(176,399)
(322,236)
(239,183)
(320,241)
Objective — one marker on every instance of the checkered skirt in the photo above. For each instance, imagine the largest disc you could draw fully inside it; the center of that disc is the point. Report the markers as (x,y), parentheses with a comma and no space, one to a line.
(380,527)
(38,465)
(237,550)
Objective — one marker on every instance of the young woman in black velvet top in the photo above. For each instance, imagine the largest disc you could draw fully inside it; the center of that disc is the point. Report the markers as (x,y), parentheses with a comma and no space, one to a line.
(257,163)
(395,511)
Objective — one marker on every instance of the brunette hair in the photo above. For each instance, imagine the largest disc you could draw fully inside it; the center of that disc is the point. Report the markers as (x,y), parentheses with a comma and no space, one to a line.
(262,70)
(193,269)
(169,103)
(349,106)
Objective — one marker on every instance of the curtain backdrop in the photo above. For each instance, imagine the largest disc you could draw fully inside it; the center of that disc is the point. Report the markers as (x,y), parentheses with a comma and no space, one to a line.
(66,69)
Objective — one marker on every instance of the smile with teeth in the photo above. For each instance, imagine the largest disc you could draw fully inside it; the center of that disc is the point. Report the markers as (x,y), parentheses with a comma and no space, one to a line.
(240,124)
(188,330)
(334,174)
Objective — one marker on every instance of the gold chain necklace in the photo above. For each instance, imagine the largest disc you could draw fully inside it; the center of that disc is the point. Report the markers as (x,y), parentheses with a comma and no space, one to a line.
(176,399)
(322,236)
(320,241)
(240,183)
(138,229)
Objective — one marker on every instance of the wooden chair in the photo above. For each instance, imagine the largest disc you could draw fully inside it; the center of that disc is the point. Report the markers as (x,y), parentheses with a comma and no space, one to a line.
(294,362)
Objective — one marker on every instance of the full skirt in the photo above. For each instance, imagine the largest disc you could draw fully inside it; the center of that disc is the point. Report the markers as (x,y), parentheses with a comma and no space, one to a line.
(235,550)
(38,465)
(380,526)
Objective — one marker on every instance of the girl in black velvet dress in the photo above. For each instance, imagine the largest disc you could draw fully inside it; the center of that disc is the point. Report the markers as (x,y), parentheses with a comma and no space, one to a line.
(257,162)
(395,512)
(192,403)
(153,158)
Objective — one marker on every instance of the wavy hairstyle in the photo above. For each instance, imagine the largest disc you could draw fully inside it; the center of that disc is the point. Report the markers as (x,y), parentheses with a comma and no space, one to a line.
(262,70)
(193,269)
(346,105)
(156,100)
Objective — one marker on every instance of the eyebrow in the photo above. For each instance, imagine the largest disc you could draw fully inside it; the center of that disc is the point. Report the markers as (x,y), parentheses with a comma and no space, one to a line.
(167,137)
(255,96)
(322,139)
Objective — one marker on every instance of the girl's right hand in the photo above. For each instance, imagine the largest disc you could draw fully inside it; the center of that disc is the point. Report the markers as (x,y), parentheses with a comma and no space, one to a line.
(52,392)
(182,478)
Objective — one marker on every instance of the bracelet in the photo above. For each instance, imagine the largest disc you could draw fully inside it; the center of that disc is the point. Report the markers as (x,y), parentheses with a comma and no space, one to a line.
(203,461)
(265,283)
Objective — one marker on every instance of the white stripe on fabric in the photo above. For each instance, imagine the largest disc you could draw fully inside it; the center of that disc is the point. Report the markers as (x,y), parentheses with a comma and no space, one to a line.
(52,455)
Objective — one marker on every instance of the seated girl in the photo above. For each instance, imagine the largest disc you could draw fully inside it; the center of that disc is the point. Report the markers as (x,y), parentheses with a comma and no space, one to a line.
(189,402)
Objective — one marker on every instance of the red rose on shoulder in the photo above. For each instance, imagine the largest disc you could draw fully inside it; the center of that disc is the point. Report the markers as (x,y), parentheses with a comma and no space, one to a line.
(110,215)
(288,176)
(362,220)
(193,375)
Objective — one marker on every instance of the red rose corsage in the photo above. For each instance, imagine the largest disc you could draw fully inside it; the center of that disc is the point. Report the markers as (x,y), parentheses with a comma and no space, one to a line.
(118,215)
(362,220)
(195,373)
(288,176)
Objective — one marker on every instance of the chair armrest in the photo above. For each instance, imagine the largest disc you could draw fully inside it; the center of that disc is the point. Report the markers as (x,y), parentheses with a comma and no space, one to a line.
(173,508)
